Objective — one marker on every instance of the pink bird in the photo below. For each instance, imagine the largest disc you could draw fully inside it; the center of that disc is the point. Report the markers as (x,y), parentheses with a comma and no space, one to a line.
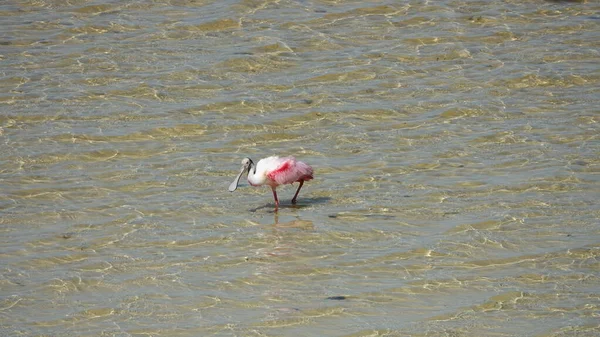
(274,171)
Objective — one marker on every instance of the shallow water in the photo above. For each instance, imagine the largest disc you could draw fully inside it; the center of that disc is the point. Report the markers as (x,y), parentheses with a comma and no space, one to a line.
(455,147)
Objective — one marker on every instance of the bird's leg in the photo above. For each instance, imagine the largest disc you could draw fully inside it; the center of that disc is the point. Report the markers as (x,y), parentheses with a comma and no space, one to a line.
(297,191)
(275,197)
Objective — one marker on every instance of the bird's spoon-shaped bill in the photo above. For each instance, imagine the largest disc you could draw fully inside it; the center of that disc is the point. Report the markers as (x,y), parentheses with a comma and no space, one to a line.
(235,183)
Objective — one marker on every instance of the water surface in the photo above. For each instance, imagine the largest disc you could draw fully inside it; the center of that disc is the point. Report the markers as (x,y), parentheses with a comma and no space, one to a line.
(455,147)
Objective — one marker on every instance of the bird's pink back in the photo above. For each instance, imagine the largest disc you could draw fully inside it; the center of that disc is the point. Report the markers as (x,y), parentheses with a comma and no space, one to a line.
(289,170)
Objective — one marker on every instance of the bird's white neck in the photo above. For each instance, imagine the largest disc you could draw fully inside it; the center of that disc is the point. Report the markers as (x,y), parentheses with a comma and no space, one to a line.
(254,178)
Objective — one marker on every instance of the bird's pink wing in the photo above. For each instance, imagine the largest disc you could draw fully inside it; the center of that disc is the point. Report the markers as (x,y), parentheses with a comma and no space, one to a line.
(290,171)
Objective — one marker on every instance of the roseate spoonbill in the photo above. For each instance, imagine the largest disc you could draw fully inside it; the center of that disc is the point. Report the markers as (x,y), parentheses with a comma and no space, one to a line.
(274,171)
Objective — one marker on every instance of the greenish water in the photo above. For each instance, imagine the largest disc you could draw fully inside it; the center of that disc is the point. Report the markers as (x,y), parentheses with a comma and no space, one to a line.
(455,147)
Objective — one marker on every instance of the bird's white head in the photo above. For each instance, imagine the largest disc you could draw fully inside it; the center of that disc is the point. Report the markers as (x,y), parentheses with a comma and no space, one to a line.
(246,162)
(246,166)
